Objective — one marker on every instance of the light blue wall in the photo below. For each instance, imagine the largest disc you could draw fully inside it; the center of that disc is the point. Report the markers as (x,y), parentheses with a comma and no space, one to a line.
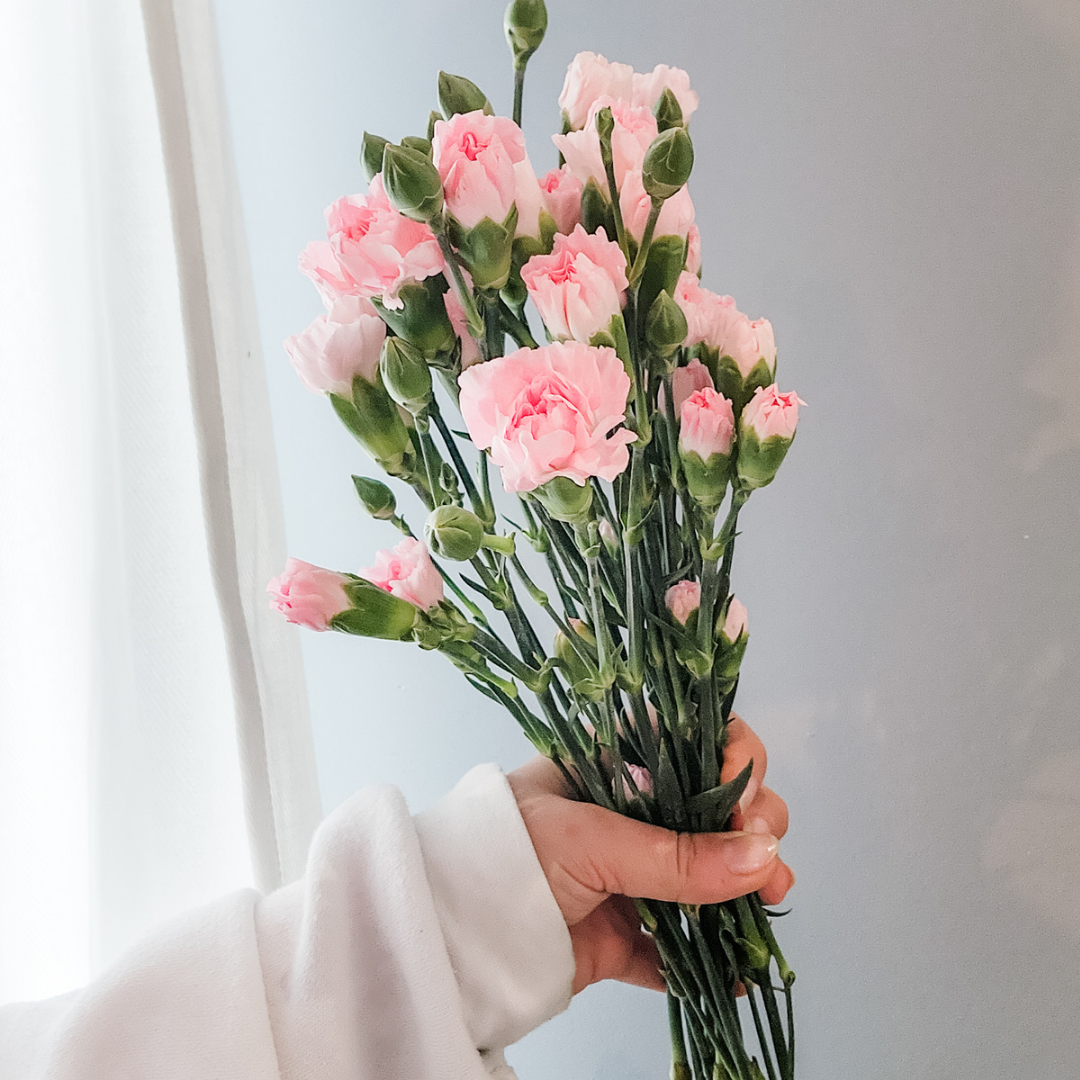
(896,187)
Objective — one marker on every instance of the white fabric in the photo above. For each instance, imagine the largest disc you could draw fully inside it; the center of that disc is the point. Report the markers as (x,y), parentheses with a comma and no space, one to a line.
(412,949)
(129,655)
(238,465)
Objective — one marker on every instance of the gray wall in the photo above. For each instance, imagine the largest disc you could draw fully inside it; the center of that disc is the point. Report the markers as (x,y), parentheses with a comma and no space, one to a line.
(896,187)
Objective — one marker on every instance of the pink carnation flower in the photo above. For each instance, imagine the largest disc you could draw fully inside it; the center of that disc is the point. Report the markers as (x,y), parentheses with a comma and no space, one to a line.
(708,424)
(547,412)
(736,622)
(769,413)
(561,192)
(308,595)
(683,599)
(589,77)
(338,346)
(642,780)
(709,317)
(476,155)
(748,341)
(373,249)
(684,381)
(634,130)
(408,573)
(646,88)
(580,287)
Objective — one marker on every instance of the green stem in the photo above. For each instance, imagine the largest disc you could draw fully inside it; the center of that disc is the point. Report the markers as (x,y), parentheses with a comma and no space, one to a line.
(646,242)
(679,1062)
(455,454)
(516,328)
(519,90)
(473,319)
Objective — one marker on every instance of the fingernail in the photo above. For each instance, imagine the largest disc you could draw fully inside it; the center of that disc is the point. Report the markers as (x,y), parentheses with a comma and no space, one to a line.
(749,795)
(758,825)
(747,853)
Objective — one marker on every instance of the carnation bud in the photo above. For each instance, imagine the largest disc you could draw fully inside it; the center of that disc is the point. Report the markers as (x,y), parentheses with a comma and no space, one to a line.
(668,111)
(371,154)
(683,599)
(375,613)
(377,499)
(578,659)
(668,163)
(605,124)
(453,532)
(608,534)
(421,319)
(405,375)
(766,429)
(596,211)
(665,325)
(706,434)
(525,23)
(412,183)
(458,95)
(733,638)
(416,142)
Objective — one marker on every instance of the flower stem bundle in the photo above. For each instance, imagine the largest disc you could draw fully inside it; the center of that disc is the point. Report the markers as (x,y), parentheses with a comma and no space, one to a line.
(627,447)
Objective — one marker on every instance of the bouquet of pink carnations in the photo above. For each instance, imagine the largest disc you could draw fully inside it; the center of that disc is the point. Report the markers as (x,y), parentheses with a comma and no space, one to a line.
(631,441)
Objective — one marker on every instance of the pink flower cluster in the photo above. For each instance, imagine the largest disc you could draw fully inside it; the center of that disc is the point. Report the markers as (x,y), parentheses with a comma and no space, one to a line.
(635,129)
(591,76)
(715,322)
(549,412)
(371,250)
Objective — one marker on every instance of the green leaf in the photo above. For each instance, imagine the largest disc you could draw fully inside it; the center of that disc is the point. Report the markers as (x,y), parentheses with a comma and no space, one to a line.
(716,804)
(668,792)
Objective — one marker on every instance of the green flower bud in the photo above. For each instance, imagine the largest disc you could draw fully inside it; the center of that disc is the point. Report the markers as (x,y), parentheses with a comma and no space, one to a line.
(596,210)
(458,95)
(374,421)
(421,320)
(412,183)
(566,501)
(665,326)
(668,111)
(605,124)
(377,499)
(433,118)
(371,154)
(668,163)
(525,23)
(405,375)
(375,613)
(453,532)
(581,670)
(415,142)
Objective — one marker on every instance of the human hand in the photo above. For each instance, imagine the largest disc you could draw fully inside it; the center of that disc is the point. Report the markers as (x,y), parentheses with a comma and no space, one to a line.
(595,860)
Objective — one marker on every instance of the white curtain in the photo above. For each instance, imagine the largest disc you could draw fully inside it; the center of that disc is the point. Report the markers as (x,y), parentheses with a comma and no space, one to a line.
(155,749)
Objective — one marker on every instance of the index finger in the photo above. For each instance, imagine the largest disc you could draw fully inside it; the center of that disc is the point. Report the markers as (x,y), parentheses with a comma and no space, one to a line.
(740,747)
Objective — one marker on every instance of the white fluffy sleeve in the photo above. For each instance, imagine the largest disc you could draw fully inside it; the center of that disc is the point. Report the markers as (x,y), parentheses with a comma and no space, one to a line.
(412,949)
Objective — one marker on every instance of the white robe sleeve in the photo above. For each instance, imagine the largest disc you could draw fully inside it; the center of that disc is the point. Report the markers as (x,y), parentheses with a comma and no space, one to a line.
(412,949)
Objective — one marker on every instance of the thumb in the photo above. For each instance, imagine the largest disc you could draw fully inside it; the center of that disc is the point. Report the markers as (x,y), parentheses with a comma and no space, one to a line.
(616,854)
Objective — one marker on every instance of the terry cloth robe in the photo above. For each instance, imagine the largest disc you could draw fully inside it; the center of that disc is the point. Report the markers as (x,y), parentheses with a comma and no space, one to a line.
(414,948)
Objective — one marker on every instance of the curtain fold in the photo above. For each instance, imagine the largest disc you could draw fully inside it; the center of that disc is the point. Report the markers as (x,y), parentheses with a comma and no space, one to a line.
(155,749)
(238,465)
